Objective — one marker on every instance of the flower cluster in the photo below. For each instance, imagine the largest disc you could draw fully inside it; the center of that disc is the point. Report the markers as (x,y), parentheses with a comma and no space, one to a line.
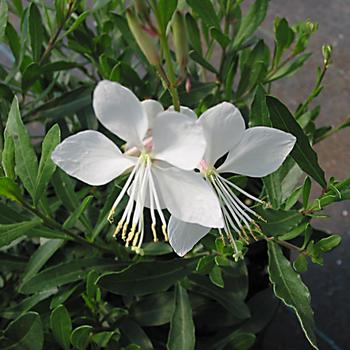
(162,150)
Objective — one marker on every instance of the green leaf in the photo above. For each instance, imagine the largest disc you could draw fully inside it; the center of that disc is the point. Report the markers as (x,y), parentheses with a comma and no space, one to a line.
(220,37)
(3,18)
(46,166)
(30,75)
(206,11)
(306,192)
(300,264)
(156,248)
(8,155)
(26,161)
(26,332)
(142,278)
(279,222)
(154,310)
(68,272)
(215,276)
(289,287)
(77,22)
(289,69)
(61,325)
(328,243)
(10,190)
(302,152)
(135,334)
(166,9)
(81,337)
(193,33)
(9,233)
(182,331)
(259,113)
(77,213)
(197,57)
(40,257)
(250,22)
(36,31)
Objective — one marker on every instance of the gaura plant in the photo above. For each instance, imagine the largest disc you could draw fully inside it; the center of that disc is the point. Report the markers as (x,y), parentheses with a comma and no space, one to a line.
(157,122)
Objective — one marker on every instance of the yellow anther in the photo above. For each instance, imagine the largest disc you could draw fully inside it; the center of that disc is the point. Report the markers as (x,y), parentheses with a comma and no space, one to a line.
(110,216)
(136,238)
(118,228)
(130,235)
(125,228)
(165,232)
(153,227)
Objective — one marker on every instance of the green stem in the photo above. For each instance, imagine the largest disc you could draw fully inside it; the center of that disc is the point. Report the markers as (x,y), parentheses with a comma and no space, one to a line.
(171,78)
(55,225)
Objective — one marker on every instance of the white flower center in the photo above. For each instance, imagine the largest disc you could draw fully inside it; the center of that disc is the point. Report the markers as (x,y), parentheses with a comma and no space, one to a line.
(141,185)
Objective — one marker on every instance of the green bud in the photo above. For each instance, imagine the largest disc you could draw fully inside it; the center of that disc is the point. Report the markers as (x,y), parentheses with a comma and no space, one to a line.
(327,53)
(180,41)
(144,41)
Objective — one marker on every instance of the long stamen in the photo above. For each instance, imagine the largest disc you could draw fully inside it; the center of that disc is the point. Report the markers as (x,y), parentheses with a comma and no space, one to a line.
(122,192)
(153,216)
(159,209)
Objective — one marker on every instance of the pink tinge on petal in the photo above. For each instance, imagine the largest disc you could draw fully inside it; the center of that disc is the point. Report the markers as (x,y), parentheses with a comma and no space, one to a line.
(148,144)
(203,165)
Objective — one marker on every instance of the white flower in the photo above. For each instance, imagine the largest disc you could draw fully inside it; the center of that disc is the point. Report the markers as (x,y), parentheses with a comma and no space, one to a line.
(254,152)
(162,150)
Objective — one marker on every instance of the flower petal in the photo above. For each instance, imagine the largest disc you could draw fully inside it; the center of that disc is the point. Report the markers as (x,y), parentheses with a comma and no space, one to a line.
(178,140)
(223,127)
(183,235)
(261,151)
(152,108)
(188,197)
(120,111)
(185,110)
(91,157)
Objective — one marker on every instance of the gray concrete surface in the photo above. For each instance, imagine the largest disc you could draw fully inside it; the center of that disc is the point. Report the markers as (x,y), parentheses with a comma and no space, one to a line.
(329,286)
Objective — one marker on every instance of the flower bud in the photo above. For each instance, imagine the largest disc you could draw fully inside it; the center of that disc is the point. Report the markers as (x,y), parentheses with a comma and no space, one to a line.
(327,53)
(146,44)
(180,41)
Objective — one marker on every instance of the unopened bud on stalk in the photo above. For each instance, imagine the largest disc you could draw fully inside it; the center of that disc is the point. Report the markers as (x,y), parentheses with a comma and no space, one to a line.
(146,44)
(327,53)
(180,41)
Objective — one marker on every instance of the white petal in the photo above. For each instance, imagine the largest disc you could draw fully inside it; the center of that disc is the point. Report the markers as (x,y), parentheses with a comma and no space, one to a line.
(120,111)
(183,235)
(223,127)
(185,110)
(188,197)
(152,108)
(91,157)
(261,151)
(178,140)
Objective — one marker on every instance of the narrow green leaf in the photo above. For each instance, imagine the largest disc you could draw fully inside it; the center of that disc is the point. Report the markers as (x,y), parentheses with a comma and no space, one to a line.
(289,287)
(259,113)
(135,334)
(166,9)
(206,11)
(8,155)
(10,232)
(302,152)
(40,257)
(306,191)
(10,190)
(59,275)
(154,310)
(182,331)
(250,22)
(77,22)
(3,18)
(142,278)
(61,325)
(26,332)
(81,337)
(328,243)
(215,276)
(26,161)
(300,264)
(193,33)
(197,57)
(77,213)
(36,31)
(46,166)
